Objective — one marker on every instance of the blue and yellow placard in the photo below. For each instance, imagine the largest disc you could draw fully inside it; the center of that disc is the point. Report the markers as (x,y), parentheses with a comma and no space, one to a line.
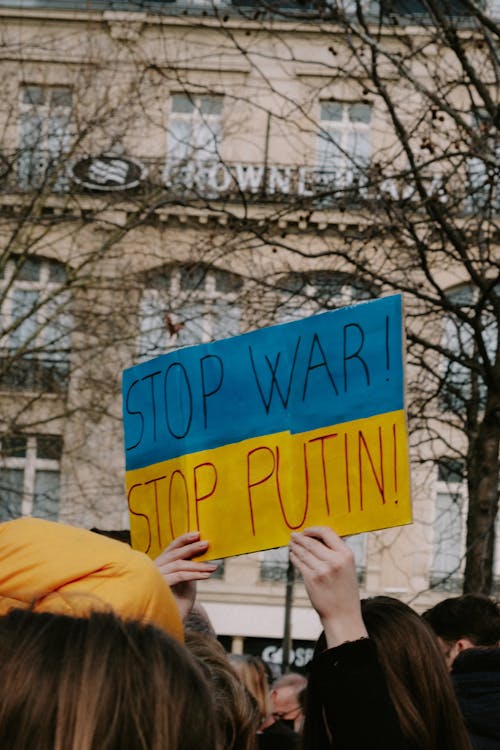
(249,438)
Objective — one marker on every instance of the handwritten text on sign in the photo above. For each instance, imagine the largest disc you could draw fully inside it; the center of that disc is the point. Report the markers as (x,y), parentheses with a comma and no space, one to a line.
(250,437)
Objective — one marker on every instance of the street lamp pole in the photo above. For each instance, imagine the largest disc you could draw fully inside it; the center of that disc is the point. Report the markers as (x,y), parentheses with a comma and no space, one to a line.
(287,629)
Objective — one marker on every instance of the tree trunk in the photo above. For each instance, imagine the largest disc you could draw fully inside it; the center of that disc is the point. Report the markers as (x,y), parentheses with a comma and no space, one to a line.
(482,481)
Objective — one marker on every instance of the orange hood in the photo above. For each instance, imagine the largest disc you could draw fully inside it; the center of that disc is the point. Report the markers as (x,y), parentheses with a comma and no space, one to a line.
(58,568)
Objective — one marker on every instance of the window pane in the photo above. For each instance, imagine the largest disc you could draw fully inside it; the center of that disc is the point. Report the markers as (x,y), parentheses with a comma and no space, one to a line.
(461,296)
(11,493)
(359,148)
(180,140)
(329,151)
(357,543)
(153,334)
(61,96)
(211,105)
(192,277)
(274,564)
(208,138)
(360,113)
(46,495)
(30,131)
(28,269)
(458,340)
(57,272)
(225,320)
(182,103)
(33,95)
(55,330)
(450,470)
(58,135)
(14,446)
(227,282)
(31,160)
(447,538)
(361,292)
(331,111)
(49,446)
(24,316)
(192,332)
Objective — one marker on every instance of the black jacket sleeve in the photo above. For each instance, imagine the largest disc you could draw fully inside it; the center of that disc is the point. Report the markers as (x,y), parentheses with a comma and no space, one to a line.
(348,704)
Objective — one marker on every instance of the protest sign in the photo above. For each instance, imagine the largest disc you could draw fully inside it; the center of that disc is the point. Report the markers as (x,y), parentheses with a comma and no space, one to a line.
(249,438)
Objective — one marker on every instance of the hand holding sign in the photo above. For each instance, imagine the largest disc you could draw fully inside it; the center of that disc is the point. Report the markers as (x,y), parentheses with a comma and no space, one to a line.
(181,572)
(249,438)
(328,569)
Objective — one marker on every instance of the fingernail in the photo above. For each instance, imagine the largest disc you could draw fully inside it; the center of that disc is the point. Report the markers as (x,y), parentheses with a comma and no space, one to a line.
(194,534)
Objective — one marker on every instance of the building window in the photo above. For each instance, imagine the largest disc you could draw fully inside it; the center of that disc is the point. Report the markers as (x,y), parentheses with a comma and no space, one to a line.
(187,305)
(462,370)
(274,564)
(304,294)
(35,324)
(44,136)
(30,476)
(282,6)
(419,8)
(448,527)
(343,147)
(484,185)
(193,145)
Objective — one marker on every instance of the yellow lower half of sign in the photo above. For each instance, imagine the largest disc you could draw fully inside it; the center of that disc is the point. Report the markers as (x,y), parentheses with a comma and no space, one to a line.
(251,495)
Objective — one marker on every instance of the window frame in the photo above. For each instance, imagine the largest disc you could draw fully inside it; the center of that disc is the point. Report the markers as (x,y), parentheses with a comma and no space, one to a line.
(206,296)
(45,367)
(335,135)
(309,296)
(197,166)
(36,160)
(453,487)
(31,464)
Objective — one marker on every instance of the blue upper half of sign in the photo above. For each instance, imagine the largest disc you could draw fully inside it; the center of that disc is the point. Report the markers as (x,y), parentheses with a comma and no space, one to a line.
(324,370)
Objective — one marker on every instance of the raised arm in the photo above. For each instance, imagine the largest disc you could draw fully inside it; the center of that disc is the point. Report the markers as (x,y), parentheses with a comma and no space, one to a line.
(348,703)
(328,569)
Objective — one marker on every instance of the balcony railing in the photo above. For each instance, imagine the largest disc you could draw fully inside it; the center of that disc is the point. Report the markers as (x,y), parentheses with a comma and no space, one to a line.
(241,182)
(33,374)
(189,180)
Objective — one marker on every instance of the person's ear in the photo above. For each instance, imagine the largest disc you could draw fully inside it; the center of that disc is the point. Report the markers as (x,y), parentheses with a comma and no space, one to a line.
(463,644)
(455,648)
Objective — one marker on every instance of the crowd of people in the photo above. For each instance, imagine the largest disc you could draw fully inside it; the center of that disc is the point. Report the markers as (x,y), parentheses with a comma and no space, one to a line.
(103,649)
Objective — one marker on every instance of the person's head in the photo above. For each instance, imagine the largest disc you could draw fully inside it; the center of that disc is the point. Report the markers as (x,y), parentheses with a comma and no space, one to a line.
(253,675)
(418,681)
(236,709)
(463,622)
(99,683)
(285,699)
(197,620)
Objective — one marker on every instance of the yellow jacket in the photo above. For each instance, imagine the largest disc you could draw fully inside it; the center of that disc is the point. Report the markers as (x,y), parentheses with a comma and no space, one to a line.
(58,568)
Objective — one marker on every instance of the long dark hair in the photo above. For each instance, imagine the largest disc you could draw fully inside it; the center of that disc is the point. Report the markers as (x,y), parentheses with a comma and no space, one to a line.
(98,683)
(417,677)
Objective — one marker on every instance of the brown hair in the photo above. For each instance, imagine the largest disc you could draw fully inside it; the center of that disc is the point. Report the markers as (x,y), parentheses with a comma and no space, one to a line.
(252,673)
(417,677)
(472,616)
(236,709)
(98,683)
